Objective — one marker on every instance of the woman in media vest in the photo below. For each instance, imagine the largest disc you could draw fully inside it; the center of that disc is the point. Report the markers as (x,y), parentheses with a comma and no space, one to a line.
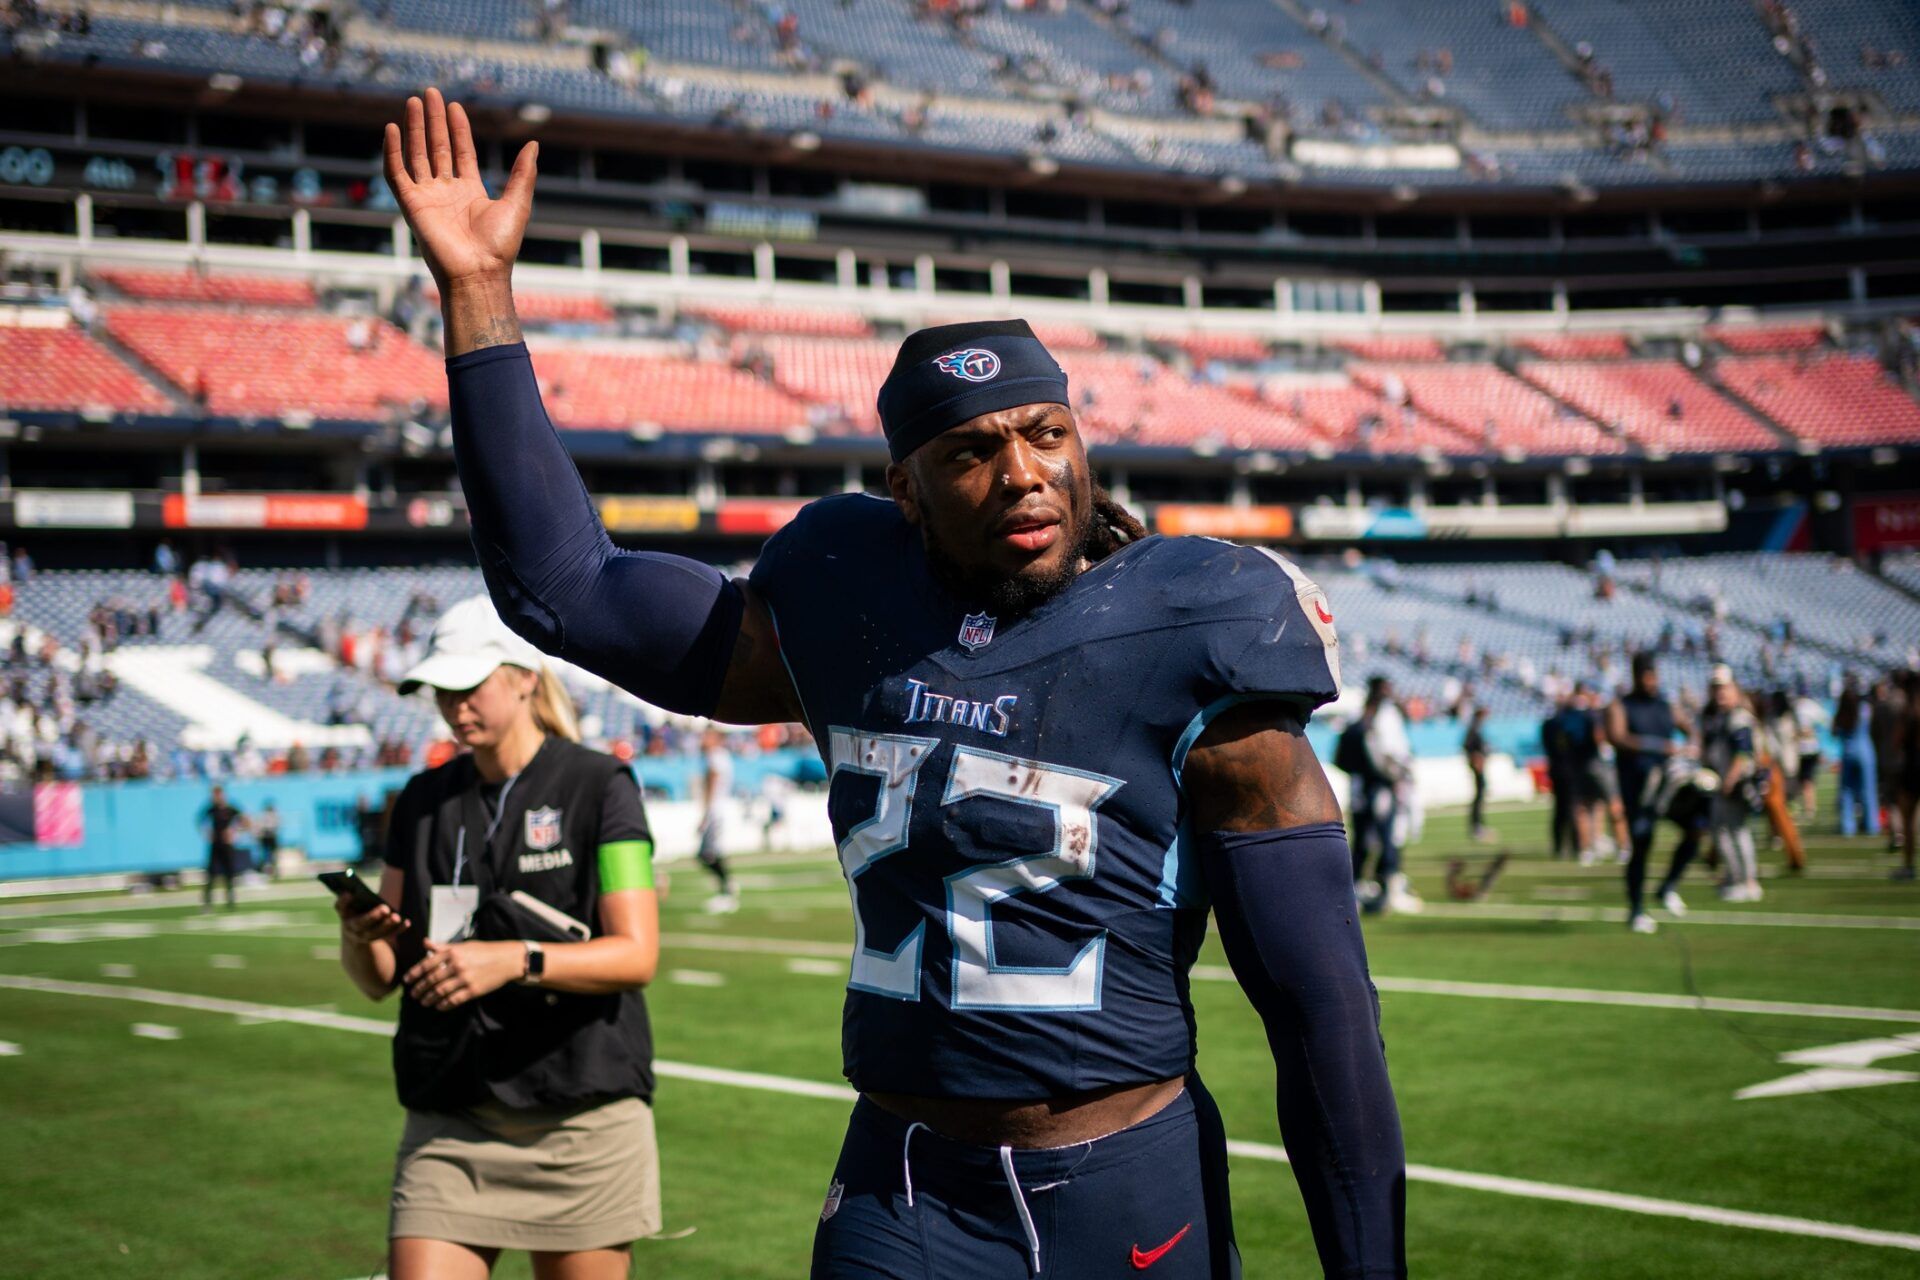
(523,1057)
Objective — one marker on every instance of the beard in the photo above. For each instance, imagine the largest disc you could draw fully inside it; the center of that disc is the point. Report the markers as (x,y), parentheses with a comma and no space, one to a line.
(1007,598)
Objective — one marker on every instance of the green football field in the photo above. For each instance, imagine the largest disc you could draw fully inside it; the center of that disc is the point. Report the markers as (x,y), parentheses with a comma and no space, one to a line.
(189,1096)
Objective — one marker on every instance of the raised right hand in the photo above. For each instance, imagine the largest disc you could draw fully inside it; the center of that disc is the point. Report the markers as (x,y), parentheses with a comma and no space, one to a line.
(462,233)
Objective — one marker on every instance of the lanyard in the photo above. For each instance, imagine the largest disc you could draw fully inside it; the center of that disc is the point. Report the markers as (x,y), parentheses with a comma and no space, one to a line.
(486,841)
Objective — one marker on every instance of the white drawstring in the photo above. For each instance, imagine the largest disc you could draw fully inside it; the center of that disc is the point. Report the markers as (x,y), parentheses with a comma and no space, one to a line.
(1020,1203)
(906,1162)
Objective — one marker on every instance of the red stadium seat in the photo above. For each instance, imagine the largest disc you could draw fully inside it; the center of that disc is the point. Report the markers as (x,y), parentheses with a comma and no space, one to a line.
(844,375)
(1483,402)
(1829,399)
(1133,399)
(1242,348)
(1748,339)
(1395,348)
(751,319)
(156,285)
(1576,346)
(47,369)
(1639,397)
(1355,419)
(271,363)
(589,387)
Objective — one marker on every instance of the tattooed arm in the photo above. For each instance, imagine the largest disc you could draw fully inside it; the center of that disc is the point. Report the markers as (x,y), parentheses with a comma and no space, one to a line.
(1276,863)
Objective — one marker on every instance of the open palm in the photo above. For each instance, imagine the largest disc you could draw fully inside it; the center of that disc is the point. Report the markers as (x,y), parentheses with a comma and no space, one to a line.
(462,232)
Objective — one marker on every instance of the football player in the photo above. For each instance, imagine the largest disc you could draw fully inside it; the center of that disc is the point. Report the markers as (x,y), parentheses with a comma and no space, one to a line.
(1054,743)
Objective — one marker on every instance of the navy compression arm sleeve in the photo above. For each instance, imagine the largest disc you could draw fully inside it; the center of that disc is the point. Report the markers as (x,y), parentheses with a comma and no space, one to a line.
(1284,900)
(662,626)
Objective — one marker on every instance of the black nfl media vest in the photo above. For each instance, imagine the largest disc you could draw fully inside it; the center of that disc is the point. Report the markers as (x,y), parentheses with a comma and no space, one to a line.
(520,1046)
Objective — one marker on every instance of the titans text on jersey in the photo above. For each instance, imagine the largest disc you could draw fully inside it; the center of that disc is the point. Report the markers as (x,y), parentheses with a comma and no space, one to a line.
(1006,794)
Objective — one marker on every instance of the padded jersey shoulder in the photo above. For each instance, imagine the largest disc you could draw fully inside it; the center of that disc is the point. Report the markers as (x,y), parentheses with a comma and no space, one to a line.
(1268,627)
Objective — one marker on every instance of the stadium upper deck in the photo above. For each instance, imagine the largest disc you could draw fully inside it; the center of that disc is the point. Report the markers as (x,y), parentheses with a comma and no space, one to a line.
(1388,94)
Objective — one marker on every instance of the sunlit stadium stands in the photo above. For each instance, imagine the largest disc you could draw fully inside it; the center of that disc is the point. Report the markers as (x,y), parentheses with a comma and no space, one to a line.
(63,368)
(593,386)
(1657,402)
(203,286)
(1405,347)
(1753,339)
(271,363)
(1832,400)
(1485,404)
(812,323)
(1576,346)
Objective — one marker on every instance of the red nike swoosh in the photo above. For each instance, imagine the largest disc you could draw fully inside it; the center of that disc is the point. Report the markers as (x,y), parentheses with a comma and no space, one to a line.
(1141,1261)
(1321,609)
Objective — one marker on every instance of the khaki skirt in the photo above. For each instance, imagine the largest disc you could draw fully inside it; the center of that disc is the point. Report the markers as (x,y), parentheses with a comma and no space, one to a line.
(555,1181)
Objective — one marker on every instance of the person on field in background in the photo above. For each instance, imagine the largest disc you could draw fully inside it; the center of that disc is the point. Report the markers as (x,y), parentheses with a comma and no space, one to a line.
(1858,799)
(266,834)
(1777,741)
(1555,746)
(1727,731)
(1646,731)
(1809,718)
(224,825)
(1889,707)
(1475,747)
(1389,798)
(520,923)
(716,795)
(1908,787)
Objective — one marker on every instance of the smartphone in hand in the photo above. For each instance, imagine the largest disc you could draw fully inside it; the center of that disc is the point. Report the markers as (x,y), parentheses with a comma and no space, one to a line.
(365,897)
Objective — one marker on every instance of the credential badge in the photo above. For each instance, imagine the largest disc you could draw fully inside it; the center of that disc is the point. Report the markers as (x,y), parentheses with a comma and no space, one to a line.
(543,828)
(976,631)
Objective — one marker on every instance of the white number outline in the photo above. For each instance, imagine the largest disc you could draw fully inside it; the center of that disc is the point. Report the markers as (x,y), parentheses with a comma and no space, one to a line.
(970,894)
(880,973)
(974,982)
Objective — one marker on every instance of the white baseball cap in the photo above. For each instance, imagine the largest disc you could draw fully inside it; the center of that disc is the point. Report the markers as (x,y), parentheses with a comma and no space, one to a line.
(467,645)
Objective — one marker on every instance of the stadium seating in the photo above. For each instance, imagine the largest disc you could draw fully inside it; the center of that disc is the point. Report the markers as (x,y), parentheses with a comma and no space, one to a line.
(1407,347)
(1243,348)
(1134,399)
(814,323)
(65,369)
(1753,339)
(1576,346)
(1485,404)
(1823,599)
(590,387)
(1835,400)
(271,363)
(538,306)
(842,374)
(201,286)
(1657,402)
(1353,418)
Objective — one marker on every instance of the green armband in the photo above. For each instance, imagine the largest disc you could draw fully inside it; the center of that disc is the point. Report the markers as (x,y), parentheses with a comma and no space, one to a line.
(626,864)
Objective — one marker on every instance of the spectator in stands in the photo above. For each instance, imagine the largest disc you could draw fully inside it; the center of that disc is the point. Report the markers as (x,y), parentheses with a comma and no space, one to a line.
(1727,732)
(1852,725)
(223,825)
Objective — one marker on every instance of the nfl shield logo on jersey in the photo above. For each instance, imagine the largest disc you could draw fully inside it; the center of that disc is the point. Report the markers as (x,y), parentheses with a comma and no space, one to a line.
(976,631)
(543,828)
(832,1205)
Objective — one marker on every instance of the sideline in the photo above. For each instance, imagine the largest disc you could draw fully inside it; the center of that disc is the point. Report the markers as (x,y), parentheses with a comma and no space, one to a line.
(1493,1183)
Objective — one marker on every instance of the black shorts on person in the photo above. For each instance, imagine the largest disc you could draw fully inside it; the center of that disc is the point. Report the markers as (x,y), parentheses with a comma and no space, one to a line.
(1150,1196)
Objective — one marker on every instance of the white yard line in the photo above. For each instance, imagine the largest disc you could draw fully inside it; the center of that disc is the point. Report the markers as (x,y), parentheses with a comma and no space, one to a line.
(1493,1183)
(1766,919)
(310,890)
(1408,986)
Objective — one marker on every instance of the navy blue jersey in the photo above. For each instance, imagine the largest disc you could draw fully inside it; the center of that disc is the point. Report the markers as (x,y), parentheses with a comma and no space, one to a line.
(1006,795)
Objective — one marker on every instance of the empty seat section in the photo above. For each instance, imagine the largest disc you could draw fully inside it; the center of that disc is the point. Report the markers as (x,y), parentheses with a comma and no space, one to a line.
(1658,402)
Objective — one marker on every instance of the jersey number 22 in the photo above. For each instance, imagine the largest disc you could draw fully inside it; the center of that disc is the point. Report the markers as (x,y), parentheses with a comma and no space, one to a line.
(979,982)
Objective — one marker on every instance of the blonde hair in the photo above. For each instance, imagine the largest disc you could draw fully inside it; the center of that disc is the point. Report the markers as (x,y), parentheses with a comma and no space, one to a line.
(553,706)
